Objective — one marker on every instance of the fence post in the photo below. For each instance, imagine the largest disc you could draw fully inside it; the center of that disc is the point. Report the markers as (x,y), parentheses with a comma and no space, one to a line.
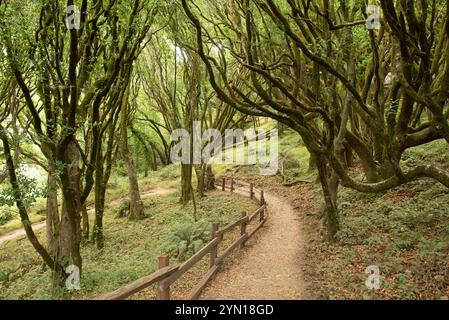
(213,251)
(232,184)
(251,190)
(262,214)
(162,292)
(243,229)
(262,198)
(223,184)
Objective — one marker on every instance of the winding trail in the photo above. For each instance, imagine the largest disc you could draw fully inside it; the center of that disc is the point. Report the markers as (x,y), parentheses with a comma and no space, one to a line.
(20,233)
(270,267)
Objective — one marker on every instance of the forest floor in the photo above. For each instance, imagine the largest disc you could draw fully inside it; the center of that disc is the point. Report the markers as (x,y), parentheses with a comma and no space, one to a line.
(403,231)
(20,233)
(131,248)
(270,265)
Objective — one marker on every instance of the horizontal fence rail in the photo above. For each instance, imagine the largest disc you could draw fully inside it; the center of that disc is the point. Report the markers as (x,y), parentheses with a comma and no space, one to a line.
(167,274)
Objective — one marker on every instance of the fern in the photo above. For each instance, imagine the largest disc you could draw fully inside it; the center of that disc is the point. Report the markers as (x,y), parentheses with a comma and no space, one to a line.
(189,239)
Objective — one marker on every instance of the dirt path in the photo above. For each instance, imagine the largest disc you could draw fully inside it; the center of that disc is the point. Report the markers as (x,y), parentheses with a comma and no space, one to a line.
(19,233)
(270,265)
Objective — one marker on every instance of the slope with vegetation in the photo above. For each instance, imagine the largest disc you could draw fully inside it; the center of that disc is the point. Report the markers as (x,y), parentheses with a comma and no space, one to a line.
(93,93)
(131,248)
(404,231)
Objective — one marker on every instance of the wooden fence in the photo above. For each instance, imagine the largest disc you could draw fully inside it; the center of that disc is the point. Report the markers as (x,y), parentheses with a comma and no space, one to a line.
(167,274)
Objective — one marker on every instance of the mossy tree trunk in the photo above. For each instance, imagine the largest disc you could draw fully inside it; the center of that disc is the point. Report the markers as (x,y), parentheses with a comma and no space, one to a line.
(136,209)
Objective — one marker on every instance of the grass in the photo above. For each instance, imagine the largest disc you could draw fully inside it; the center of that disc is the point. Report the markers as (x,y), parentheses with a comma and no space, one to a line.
(15,223)
(293,157)
(167,177)
(37,214)
(131,248)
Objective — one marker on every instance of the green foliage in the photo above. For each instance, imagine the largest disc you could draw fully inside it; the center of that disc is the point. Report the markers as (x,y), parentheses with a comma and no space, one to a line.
(404,231)
(188,239)
(169,173)
(123,209)
(29,189)
(131,250)
(6,215)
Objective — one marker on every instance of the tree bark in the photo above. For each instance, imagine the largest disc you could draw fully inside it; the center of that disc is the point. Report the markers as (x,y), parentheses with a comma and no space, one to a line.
(210,178)
(200,172)
(100,192)
(86,226)
(70,230)
(330,196)
(136,209)
(46,257)
(101,181)
(186,183)
(52,222)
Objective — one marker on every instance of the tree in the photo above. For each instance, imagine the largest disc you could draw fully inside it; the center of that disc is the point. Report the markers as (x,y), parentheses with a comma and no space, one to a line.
(136,210)
(65,76)
(280,44)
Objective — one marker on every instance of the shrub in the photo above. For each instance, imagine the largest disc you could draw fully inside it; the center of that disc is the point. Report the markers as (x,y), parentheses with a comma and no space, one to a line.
(6,215)
(188,239)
